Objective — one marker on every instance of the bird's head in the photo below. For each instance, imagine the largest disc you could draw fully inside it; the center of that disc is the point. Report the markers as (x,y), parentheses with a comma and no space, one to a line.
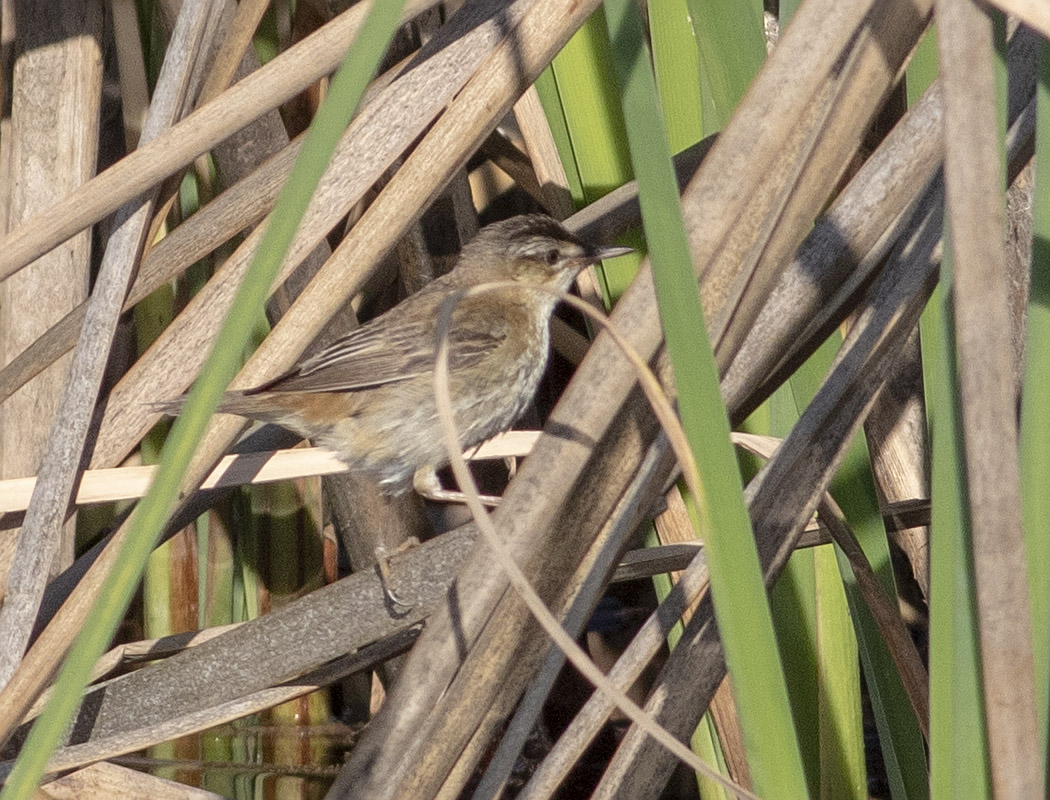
(532,248)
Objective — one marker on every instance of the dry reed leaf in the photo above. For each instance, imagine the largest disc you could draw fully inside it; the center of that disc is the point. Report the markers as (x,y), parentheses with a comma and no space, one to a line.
(1031,12)
(987,395)
(129,483)
(897,437)
(238,208)
(808,132)
(785,493)
(201,683)
(52,79)
(281,79)
(177,725)
(846,245)
(109,780)
(42,529)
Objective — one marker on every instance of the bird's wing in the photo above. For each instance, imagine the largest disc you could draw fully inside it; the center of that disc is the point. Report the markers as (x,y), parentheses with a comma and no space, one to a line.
(372,356)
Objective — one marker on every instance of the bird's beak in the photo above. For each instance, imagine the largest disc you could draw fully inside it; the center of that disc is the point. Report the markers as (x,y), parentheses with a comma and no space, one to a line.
(609,251)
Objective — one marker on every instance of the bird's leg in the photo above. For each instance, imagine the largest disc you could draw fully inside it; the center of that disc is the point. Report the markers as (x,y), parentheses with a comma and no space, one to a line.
(383,558)
(425,482)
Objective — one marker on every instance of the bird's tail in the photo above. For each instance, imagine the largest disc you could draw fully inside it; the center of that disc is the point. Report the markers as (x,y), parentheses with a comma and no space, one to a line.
(235,402)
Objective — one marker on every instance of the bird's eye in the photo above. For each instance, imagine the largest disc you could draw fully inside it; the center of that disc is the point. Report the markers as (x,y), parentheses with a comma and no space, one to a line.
(552,257)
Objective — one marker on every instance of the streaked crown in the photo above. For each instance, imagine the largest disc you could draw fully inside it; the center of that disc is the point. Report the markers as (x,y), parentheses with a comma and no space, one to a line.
(531,248)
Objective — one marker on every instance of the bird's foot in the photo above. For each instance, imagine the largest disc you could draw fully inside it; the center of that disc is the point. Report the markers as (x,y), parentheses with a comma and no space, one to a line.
(383,557)
(426,483)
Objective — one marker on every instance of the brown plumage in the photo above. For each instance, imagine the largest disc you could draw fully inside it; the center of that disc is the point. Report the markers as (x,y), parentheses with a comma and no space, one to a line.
(369,395)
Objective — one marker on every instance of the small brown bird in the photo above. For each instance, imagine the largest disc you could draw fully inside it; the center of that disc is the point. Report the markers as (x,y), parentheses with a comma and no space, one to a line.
(369,396)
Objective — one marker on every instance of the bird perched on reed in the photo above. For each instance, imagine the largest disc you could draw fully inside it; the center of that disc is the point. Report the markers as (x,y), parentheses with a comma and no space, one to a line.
(369,396)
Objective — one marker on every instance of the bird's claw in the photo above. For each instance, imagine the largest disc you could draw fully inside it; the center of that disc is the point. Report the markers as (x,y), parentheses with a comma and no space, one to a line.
(428,486)
(383,558)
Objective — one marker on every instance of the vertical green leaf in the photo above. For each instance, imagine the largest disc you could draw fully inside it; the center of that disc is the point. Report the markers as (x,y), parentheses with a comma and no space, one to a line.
(843,771)
(741,604)
(958,750)
(731,44)
(676,63)
(818,644)
(794,614)
(582,102)
(854,489)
